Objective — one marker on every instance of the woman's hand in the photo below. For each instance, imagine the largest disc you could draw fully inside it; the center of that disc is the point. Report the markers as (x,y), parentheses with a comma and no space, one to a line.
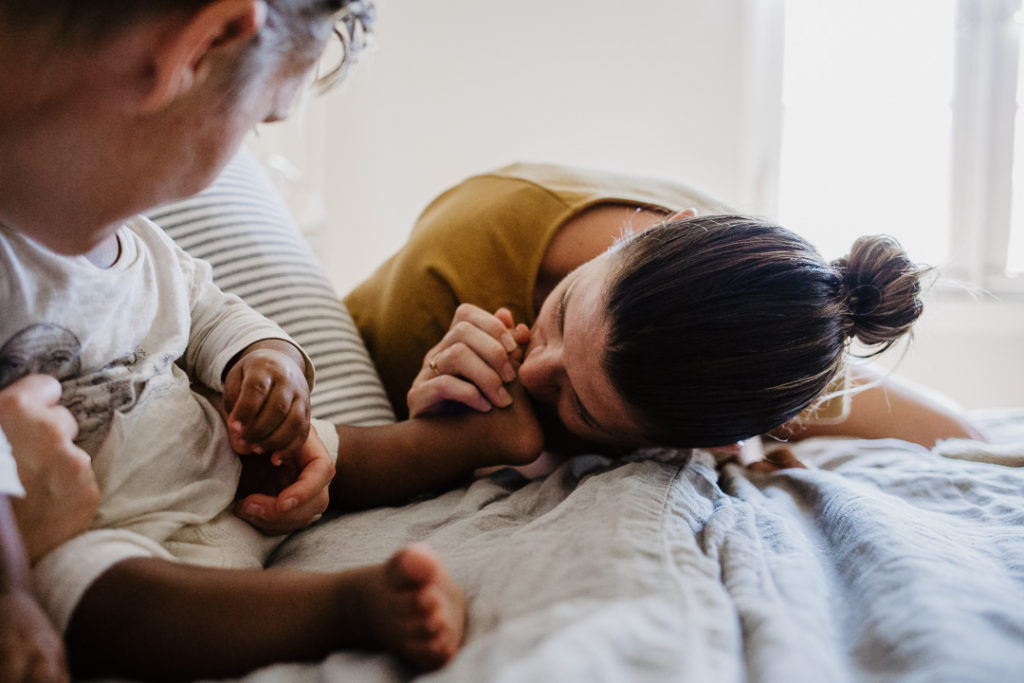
(30,650)
(61,493)
(472,364)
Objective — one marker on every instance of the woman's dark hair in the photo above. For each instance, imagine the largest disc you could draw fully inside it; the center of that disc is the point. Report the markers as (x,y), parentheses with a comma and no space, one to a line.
(725,327)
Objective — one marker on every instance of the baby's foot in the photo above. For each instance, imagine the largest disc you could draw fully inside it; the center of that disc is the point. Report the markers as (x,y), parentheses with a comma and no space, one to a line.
(415,608)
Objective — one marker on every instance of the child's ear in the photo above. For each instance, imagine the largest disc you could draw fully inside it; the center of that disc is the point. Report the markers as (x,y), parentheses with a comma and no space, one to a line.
(685,213)
(185,46)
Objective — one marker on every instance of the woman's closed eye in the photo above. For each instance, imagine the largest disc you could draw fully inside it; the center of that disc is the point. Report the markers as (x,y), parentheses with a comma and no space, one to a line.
(574,400)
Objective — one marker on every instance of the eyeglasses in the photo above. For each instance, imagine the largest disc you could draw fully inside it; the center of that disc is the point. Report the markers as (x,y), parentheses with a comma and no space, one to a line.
(353,22)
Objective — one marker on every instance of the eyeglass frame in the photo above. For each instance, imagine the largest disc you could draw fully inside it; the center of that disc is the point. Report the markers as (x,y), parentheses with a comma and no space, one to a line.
(352,26)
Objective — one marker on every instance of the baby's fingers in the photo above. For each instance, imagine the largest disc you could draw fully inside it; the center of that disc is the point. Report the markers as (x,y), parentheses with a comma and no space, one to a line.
(281,434)
(253,392)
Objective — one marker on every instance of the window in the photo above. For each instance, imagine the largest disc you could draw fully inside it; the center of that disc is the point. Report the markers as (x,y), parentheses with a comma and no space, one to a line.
(1015,254)
(899,117)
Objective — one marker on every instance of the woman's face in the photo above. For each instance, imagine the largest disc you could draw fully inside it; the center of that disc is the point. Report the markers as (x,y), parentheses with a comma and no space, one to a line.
(563,366)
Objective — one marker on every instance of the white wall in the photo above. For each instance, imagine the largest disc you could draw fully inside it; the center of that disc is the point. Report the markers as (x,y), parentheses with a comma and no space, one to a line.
(455,87)
(972,350)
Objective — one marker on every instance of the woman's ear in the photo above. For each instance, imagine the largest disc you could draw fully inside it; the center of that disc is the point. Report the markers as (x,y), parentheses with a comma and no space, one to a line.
(187,44)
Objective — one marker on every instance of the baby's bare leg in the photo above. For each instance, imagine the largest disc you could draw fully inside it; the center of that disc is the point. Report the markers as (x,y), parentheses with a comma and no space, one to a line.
(149,618)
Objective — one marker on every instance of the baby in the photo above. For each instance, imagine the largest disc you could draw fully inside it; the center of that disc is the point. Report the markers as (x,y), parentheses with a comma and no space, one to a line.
(110,109)
(127,329)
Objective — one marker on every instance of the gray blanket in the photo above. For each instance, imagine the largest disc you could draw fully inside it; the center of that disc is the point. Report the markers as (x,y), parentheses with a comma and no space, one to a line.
(882,562)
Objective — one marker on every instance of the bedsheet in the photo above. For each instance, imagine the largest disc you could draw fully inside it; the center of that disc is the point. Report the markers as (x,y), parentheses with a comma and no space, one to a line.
(883,561)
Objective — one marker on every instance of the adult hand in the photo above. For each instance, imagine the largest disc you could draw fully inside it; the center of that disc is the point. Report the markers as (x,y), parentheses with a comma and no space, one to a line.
(472,363)
(60,486)
(30,649)
(776,460)
(266,396)
(288,497)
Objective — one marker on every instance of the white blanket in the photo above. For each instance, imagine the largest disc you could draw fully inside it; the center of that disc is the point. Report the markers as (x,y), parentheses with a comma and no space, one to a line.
(882,562)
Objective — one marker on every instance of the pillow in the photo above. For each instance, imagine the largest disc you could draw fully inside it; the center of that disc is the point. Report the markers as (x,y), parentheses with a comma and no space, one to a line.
(241,226)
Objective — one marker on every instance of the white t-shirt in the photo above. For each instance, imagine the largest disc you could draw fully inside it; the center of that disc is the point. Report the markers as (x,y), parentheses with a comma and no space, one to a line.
(126,343)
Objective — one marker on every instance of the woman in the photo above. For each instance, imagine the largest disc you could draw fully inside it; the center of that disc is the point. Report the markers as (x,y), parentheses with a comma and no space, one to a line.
(745,324)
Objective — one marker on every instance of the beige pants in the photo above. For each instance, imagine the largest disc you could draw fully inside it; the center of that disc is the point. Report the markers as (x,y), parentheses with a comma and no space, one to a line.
(62,576)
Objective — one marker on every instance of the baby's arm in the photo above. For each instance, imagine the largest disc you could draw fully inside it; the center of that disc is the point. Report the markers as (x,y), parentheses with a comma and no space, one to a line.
(389,464)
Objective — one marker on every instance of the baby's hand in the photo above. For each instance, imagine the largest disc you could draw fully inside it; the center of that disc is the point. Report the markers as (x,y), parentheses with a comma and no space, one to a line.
(266,397)
(472,364)
(286,498)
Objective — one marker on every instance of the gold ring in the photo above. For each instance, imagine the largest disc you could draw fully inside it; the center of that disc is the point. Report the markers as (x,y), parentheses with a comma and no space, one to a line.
(433,366)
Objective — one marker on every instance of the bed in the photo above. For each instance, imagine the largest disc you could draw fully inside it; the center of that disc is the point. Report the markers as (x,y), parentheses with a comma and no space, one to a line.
(883,561)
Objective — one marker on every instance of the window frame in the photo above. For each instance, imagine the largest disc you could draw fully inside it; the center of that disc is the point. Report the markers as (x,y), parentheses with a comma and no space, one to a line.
(981,143)
(984,109)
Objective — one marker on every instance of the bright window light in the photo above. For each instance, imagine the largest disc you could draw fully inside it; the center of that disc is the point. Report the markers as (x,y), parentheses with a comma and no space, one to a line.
(867,123)
(1015,254)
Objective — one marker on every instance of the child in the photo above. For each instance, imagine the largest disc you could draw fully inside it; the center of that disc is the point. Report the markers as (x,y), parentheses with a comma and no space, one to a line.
(108,110)
(161,453)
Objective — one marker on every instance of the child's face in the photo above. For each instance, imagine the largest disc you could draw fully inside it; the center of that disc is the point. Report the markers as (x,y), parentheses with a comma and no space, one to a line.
(211,124)
(102,157)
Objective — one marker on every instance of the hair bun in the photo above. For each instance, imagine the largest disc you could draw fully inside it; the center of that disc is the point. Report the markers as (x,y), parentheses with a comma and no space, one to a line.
(880,290)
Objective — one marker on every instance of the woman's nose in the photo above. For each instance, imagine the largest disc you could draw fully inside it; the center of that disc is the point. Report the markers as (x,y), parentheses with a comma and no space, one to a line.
(541,373)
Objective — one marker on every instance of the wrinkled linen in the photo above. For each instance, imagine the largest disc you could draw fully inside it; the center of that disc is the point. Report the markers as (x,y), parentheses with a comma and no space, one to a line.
(883,561)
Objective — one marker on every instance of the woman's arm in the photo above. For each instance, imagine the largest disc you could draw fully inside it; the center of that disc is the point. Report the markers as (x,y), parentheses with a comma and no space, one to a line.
(895,408)
(30,650)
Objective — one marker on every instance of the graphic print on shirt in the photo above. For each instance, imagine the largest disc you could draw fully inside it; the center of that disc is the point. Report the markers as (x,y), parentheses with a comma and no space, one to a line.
(92,398)
(45,349)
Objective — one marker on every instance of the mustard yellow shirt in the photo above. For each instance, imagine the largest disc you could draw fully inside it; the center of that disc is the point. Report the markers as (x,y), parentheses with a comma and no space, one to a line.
(482,242)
